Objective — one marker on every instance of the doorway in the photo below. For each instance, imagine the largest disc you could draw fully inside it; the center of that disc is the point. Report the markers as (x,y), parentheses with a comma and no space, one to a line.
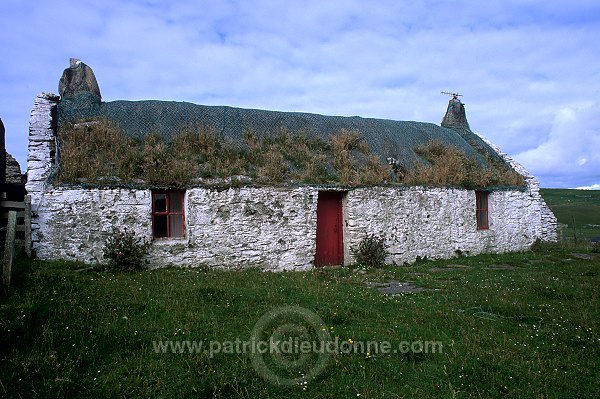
(329,229)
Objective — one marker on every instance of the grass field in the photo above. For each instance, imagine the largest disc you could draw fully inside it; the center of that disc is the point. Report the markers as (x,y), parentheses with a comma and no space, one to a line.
(528,327)
(575,207)
(513,325)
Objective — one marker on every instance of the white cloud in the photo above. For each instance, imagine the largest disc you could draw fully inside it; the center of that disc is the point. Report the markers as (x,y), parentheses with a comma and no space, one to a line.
(571,150)
(592,187)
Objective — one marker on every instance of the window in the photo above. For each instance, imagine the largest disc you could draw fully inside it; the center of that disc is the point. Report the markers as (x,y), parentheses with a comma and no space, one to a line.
(481,198)
(167,214)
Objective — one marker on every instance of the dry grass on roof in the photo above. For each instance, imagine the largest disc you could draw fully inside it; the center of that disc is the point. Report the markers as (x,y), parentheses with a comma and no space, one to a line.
(355,161)
(448,166)
(94,149)
(99,152)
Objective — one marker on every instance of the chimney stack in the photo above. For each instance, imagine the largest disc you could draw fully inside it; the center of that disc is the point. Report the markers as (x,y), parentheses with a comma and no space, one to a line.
(456,116)
(78,79)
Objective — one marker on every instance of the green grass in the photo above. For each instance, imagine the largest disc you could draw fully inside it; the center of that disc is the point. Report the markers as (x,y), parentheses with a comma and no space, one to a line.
(531,331)
(579,206)
(528,330)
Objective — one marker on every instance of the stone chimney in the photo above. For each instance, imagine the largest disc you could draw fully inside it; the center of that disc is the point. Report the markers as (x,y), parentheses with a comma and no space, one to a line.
(456,116)
(78,78)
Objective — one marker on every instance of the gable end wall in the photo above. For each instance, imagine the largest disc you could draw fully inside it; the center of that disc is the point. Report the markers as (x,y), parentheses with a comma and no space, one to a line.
(549,223)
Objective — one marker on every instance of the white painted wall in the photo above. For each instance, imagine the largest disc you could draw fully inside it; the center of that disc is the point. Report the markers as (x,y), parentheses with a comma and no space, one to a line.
(438,222)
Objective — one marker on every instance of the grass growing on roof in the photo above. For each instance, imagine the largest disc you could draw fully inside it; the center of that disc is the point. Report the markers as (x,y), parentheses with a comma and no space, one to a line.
(355,162)
(527,329)
(448,166)
(98,151)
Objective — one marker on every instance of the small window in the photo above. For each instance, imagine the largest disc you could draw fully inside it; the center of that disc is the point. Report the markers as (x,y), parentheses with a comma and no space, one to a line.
(167,214)
(481,197)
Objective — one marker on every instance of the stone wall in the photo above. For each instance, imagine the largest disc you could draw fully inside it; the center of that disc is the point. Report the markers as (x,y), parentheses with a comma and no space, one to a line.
(439,222)
(74,224)
(275,228)
(267,227)
(270,228)
(549,223)
(13,170)
(42,146)
(242,227)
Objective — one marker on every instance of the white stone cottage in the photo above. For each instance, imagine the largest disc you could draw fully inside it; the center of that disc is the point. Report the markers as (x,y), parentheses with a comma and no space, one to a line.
(292,225)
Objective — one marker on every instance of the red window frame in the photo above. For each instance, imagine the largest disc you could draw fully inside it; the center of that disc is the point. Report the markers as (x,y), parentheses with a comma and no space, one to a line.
(482,208)
(168,213)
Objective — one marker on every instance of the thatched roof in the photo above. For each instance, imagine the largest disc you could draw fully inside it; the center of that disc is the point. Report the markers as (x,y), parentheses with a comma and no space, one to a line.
(398,145)
(387,138)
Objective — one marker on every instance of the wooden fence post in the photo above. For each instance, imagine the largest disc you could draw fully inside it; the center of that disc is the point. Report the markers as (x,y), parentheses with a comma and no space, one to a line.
(9,248)
(27,221)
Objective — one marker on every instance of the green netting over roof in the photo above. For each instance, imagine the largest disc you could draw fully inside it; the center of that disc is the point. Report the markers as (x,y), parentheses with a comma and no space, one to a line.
(387,138)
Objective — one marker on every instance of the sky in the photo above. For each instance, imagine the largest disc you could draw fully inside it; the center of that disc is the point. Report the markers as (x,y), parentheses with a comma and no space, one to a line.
(528,70)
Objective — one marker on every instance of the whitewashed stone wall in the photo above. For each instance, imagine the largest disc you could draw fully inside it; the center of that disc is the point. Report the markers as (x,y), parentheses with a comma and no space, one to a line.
(42,146)
(549,223)
(275,228)
(243,227)
(73,224)
(270,228)
(439,222)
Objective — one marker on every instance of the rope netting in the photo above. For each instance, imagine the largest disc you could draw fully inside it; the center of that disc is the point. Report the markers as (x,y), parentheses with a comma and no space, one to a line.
(387,138)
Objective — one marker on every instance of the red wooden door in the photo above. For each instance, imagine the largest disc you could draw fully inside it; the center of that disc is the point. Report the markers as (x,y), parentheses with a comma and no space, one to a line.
(329,229)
